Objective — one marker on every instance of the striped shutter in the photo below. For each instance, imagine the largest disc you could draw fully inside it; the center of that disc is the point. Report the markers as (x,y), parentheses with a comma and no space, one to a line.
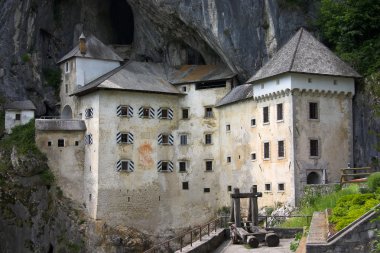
(141,112)
(88,139)
(129,138)
(159,166)
(151,113)
(171,139)
(159,113)
(159,139)
(131,166)
(170,113)
(170,166)
(120,109)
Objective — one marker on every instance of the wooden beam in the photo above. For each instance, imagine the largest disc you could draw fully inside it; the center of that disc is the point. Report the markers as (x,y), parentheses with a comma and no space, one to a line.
(246,195)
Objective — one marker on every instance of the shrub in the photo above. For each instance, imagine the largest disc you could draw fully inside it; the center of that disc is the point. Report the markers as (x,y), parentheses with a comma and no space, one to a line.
(374,181)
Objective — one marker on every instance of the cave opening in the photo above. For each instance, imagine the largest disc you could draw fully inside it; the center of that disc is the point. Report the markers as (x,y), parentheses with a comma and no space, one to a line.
(121,16)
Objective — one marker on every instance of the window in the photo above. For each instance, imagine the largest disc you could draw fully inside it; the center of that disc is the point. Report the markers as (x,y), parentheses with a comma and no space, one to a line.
(268,187)
(66,88)
(265,114)
(335,82)
(208,165)
(76,143)
(253,156)
(208,112)
(266,151)
(262,86)
(278,81)
(49,143)
(185,185)
(88,139)
(208,139)
(185,113)
(314,148)
(125,165)
(313,110)
(165,166)
(206,190)
(124,111)
(228,159)
(61,142)
(67,67)
(124,138)
(18,116)
(182,166)
(253,122)
(210,85)
(183,139)
(165,139)
(279,112)
(184,88)
(228,127)
(146,112)
(89,113)
(281,187)
(309,80)
(229,188)
(281,149)
(165,113)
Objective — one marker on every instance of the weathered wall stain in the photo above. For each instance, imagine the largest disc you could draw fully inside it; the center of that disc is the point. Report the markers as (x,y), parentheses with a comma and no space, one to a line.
(145,155)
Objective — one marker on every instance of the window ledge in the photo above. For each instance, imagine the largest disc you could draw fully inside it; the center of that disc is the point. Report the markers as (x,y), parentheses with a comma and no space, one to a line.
(281,158)
(265,123)
(209,170)
(266,159)
(314,157)
(314,120)
(253,160)
(280,121)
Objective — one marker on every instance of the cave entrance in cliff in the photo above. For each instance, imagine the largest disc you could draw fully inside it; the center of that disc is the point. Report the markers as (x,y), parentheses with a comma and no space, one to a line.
(121,15)
(67,113)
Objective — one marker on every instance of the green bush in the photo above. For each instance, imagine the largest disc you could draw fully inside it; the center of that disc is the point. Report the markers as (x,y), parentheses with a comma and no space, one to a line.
(374,181)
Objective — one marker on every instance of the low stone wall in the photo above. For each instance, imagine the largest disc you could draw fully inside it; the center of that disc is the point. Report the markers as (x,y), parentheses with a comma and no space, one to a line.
(208,243)
(286,232)
(319,189)
(355,238)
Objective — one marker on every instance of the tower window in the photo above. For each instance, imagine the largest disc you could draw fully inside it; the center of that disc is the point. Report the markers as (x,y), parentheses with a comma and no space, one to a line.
(280,115)
(185,185)
(266,151)
(314,148)
(265,114)
(209,165)
(281,149)
(182,166)
(208,139)
(313,110)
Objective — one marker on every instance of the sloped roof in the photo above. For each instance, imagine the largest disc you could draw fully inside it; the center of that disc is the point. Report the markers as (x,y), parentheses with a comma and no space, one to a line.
(304,54)
(133,76)
(20,105)
(199,73)
(95,50)
(238,93)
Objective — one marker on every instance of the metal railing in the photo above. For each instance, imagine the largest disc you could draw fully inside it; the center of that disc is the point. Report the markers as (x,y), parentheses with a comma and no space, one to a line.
(189,237)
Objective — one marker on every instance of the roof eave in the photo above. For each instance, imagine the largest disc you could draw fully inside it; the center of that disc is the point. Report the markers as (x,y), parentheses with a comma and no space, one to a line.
(234,102)
(201,81)
(87,91)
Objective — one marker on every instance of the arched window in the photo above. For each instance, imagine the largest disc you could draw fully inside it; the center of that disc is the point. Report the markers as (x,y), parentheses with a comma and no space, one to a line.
(67,113)
(313,178)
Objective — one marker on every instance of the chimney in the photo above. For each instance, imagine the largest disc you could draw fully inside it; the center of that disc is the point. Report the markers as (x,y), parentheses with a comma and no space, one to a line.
(82,44)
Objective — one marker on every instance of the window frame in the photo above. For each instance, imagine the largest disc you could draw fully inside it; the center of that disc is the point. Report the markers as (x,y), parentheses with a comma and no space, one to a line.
(185,162)
(126,165)
(209,162)
(283,149)
(318,149)
(126,111)
(185,185)
(208,139)
(183,139)
(17,116)
(187,113)
(266,115)
(314,114)
(280,112)
(264,151)
(270,187)
(209,112)
(278,187)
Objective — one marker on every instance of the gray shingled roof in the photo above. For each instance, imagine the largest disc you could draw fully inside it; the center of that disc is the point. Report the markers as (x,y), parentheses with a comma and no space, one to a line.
(304,54)
(95,50)
(199,73)
(134,76)
(20,105)
(238,93)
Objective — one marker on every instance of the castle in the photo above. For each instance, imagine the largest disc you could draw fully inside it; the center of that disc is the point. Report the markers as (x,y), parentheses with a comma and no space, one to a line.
(157,147)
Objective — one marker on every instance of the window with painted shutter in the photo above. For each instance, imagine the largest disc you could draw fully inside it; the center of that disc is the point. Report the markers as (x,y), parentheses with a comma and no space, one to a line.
(165,166)
(124,111)
(88,139)
(165,113)
(165,139)
(89,113)
(146,112)
(124,138)
(125,165)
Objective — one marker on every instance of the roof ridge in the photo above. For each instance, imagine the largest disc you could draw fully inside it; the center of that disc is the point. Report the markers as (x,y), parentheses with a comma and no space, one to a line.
(295,50)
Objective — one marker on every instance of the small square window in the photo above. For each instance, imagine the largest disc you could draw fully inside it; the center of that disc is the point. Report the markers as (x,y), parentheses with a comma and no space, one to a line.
(185,113)
(49,143)
(76,143)
(18,116)
(184,88)
(228,159)
(208,139)
(208,112)
(281,187)
(253,156)
(165,139)
(183,139)
(309,80)
(206,189)
(182,166)
(164,166)
(185,185)
(265,114)
(253,122)
(228,127)
(61,142)
(268,187)
(164,113)
(145,112)
(208,165)
(229,188)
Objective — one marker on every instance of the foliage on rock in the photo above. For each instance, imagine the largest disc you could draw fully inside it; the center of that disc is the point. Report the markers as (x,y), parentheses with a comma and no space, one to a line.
(374,182)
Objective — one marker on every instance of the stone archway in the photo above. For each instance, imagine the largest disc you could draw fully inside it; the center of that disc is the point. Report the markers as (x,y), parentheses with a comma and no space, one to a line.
(313,178)
(67,113)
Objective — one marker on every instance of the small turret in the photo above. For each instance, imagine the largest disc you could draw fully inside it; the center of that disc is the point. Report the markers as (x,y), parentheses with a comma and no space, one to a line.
(82,44)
